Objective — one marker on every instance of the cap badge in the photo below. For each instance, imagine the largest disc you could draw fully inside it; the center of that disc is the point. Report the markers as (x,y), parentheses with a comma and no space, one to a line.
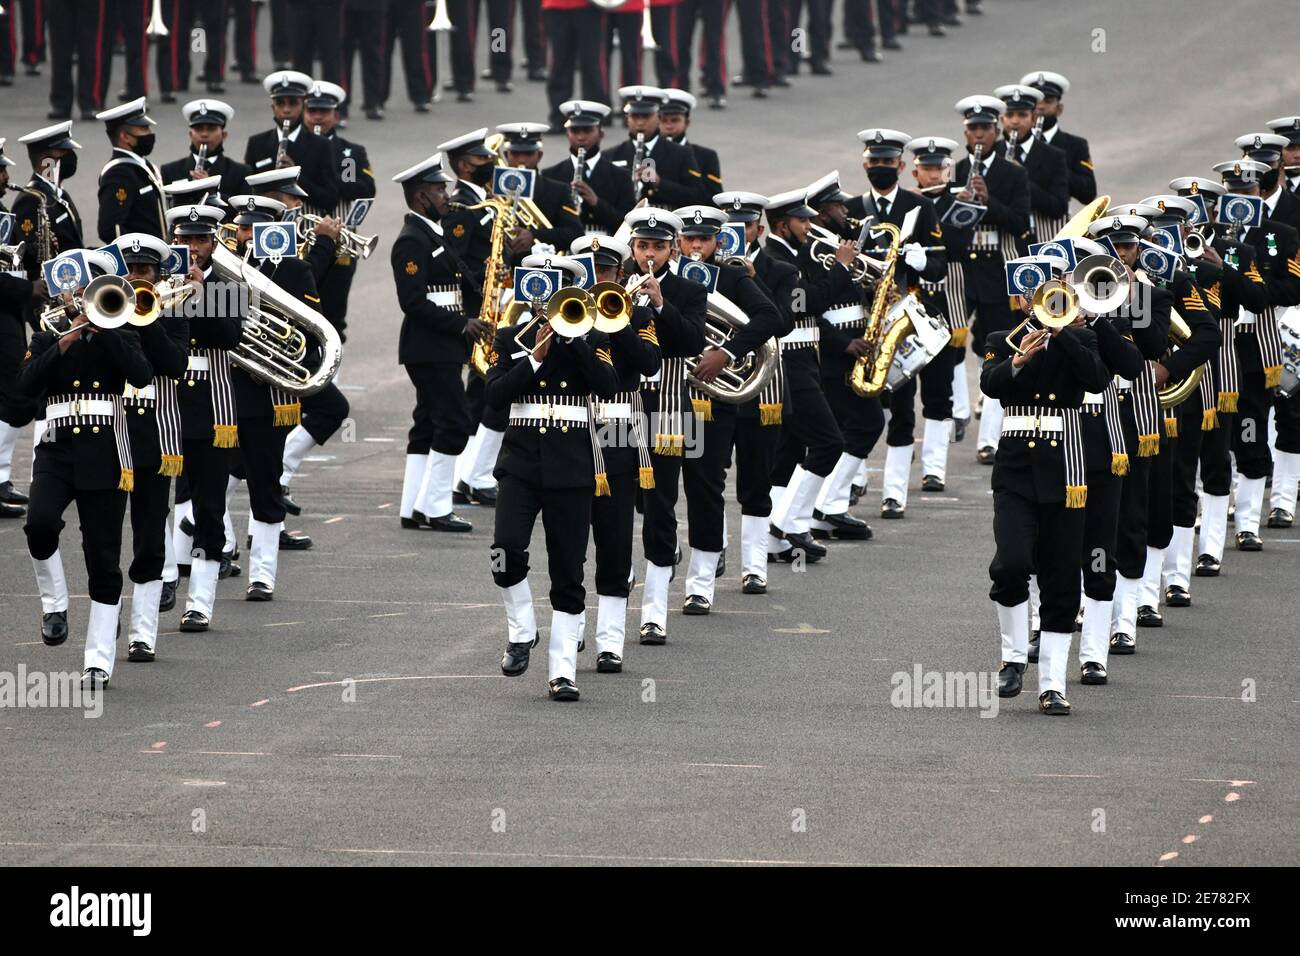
(1161,204)
(651,221)
(736,203)
(1041,78)
(879,137)
(203,106)
(194,214)
(252,203)
(595,245)
(1115,223)
(135,245)
(698,218)
(930,147)
(1195,187)
(1236,169)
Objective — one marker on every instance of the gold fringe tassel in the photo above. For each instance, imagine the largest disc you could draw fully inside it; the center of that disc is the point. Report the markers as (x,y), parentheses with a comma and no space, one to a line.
(1171,426)
(703,407)
(171,465)
(288,414)
(1118,463)
(669,444)
(1228,402)
(769,413)
(225,436)
(1076,496)
(959,337)
(602,485)
(645,477)
(1209,419)
(1148,445)
(1273,376)
(127,481)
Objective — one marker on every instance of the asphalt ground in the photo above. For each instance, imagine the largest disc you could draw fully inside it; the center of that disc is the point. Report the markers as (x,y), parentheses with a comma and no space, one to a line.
(361,717)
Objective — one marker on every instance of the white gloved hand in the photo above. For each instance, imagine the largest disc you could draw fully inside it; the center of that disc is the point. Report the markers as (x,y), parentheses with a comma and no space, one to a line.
(914,256)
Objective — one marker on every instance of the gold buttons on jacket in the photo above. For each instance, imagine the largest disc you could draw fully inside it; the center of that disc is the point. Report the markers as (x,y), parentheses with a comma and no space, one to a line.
(542,430)
(564,385)
(1031,443)
(1053,442)
(194,341)
(564,428)
(94,385)
(139,411)
(1037,396)
(95,429)
(76,383)
(1051,397)
(542,383)
(190,383)
(76,429)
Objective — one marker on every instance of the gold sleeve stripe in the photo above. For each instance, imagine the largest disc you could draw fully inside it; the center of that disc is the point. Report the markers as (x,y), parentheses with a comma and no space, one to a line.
(369,172)
(310,298)
(570,209)
(696,173)
(716,179)
(603,355)
(1086,163)
(1253,274)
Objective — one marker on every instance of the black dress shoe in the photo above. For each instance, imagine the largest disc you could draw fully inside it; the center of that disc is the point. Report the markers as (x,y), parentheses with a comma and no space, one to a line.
(297,541)
(227,568)
(187,527)
(845,526)
(959,429)
(1207,566)
(515,660)
(986,455)
(416,521)
(194,621)
(464,96)
(1054,704)
(257,591)
(167,599)
(139,652)
(937,31)
(450,522)
(463,494)
(696,604)
(1149,617)
(607,662)
(952,20)
(536,76)
(855,494)
(1121,643)
(872,56)
(11,511)
(216,87)
(759,93)
(753,584)
(652,633)
(1011,679)
(932,483)
(1092,673)
(54,628)
(1280,518)
(821,69)
(374,112)
(291,506)
(563,689)
(721,569)
(423,107)
(802,541)
(891,44)
(93,678)
(780,82)
(890,508)
(11,495)
(1033,646)
(1249,541)
(1177,596)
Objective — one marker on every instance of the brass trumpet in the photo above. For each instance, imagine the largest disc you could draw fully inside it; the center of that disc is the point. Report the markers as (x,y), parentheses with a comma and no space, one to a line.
(571,312)
(349,243)
(109,302)
(614,303)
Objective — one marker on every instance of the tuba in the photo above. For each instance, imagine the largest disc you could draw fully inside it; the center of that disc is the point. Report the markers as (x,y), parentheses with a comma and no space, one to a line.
(274,347)
(744,378)
(1173,394)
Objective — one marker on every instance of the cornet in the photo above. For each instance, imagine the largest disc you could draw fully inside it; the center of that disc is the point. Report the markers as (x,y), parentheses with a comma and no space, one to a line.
(441,21)
(157,28)
(1194,244)
(109,302)
(349,243)
(614,303)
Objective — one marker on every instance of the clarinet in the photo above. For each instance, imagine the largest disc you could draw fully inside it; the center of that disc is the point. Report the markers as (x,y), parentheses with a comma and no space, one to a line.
(283,150)
(578,171)
(638,161)
(200,161)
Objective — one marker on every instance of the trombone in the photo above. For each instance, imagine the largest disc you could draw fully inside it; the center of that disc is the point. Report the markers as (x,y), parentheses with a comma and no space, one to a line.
(571,312)
(1097,285)
(109,302)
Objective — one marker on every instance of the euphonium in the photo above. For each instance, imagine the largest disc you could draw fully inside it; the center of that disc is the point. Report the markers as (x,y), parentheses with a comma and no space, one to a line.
(1173,394)
(744,378)
(274,347)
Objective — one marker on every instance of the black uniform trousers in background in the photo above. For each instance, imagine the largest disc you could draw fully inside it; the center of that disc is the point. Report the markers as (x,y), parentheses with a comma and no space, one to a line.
(173,52)
(713,51)
(809,432)
(440,421)
(756,446)
(150,502)
(612,526)
(323,413)
(363,29)
(100,512)
(80,31)
(462,42)
(1250,436)
(258,461)
(282,33)
(406,22)
(861,420)
(1131,535)
(130,18)
(817,34)
(664,24)
(575,38)
(213,18)
(32,51)
(702,471)
(534,42)
(206,468)
(316,35)
(1042,539)
(1100,524)
(566,518)
(627,27)
(246,14)
(757,68)
(936,400)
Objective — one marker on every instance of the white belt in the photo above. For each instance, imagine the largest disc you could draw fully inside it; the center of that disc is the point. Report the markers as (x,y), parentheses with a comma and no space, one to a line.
(799,335)
(613,411)
(986,237)
(558,413)
(145,394)
(1046,424)
(17,273)
(77,409)
(1093,398)
(844,315)
(1123,384)
(445,299)
(1246,317)
(197,363)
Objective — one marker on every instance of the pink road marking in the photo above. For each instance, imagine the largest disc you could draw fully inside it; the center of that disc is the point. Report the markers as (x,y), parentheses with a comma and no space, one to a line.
(386,504)
(1168,856)
(1190,838)
(159,745)
(212,724)
(1206,819)
(1232,797)
(259,703)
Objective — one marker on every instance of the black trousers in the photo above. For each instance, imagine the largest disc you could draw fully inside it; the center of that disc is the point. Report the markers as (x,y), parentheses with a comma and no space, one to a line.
(129,17)
(712,15)
(33,37)
(246,14)
(1131,535)
(1186,457)
(323,413)
(335,289)
(1042,539)
(213,16)
(566,520)
(14,409)
(612,526)
(100,513)
(756,446)
(317,35)
(363,37)
(407,20)
(259,461)
(1216,463)
(462,42)
(1100,524)
(664,25)
(204,478)
(575,39)
(861,420)
(479,412)
(754,18)
(440,421)
(173,52)
(627,27)
(150,502)
(703,474)
(501,46)
(809,433)
(990,317)
(818,37)
(534,41)
(80,33)
(1287,411)
(1250,436)
(281,32)
(1160,517)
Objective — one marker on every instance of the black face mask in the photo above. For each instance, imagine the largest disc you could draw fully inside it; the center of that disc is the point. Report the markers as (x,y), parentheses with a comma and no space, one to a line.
(68,166)
(1268,181)
(430,211)
(144,145)
(482,175)
(882,178)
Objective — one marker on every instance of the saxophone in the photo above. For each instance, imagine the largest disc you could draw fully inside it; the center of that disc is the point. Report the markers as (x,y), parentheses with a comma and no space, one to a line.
(47,244)
(496,282)
(869,374)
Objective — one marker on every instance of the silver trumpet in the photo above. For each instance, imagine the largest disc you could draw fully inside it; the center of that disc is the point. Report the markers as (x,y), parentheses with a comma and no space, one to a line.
(349,244)
(1194,244)
(275,344)
(441,21)
(157,28)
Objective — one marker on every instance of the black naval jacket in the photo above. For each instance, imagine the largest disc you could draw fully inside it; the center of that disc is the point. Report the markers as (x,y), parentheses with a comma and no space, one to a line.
(558,455)
(554,200)
(828,289)
(926,232)
(469,234)
(709,168)
(1242,286)
(679,172)
(194,393)
(1205,339)
(1049,180)
(65,225)
(1055,379)
(635,350)
(164,345)
(234,175)
(612,185)
(356,177)
(1277,256)
(130,198)
(1287,209)
(422,259)
(1078,162)
(98,366)
(801,365)
(679,325)
(319,175)
(252,396)
(1121,357)
(1008,210)
(778,280)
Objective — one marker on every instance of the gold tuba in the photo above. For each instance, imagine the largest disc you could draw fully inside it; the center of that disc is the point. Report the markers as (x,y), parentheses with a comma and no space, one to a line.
(274,347)
(744,378)
(1173,394)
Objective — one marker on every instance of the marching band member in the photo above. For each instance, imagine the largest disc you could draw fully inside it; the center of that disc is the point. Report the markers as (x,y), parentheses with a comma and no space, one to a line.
(674,121)
(130,191)
(432,345)
(680,307)
(290,144)
(605,192)
(547,466)
(209,425)
(885,201)
(207,156)
(522,148)
(1078,158)
(1039,495)
(84,456)
(18,293)
(669,175)
(1289,128)
(1044,164)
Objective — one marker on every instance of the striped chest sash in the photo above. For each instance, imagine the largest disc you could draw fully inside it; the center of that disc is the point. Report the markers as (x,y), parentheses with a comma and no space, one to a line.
(160,396)
(1035,423)
(95,411)
(213,366)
